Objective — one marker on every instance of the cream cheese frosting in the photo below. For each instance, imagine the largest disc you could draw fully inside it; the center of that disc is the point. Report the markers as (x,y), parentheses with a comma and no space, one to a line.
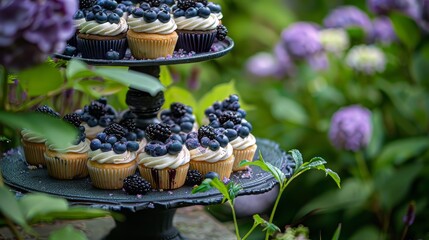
(207,155)
(111,157)
(78,23)
(31,136)
(104,29)
(243,143)
(138,24)
(91,132)
(197,23)
(82,147)
(166,161)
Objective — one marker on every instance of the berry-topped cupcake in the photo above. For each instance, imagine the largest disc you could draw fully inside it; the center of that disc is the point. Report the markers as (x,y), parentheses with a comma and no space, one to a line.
(128,121)
(210,152)
(152,31)
(196,26)
(180,118)
(34,144)
(112,158)
(69,162)
(104,29)
(96,117)
(165,161)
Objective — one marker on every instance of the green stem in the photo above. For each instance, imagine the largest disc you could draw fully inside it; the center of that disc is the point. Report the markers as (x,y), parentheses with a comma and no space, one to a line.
(13,228)
(41,98)
(363,168)
(250,231)
(237,233)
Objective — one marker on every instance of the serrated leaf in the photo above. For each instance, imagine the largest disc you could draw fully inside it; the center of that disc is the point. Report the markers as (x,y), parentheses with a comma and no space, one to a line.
(38,204)
(10,208)
(40,79)
(297,157)
(67,233)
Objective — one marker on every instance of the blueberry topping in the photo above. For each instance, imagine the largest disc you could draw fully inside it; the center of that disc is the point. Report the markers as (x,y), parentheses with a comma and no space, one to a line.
(228,124)
(192,135)
(105,147)
(204,12)
(215,8)
(111,140)
(95,144)
(186,126)
(248,125)
(231,134)
(179,13)
(69,50)
(199,5)
(138,12)
(119,148)
(242,112)
(145,6)
(176,137)
(122,6)
(223,140)
(132,146)
(243,132)
(140,134)
(191,12)
(101,136)
(110,4)
(78,15)
(192,143)
(155,9)
(205,141)
(165,7)
(105,121)
(92,122)
(115,18)
(174,147)
(90,16)
(150,16)
(164,16)
(96,8)
(211,175)
(176,128)
(130,136)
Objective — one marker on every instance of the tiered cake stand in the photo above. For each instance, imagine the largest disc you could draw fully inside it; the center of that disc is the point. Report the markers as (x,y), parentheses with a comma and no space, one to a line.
(148,216)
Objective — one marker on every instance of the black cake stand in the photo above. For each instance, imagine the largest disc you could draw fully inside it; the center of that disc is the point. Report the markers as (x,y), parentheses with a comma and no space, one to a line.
(149,216)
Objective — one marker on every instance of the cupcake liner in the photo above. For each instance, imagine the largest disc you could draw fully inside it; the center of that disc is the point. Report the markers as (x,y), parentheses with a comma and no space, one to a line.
(222,168)
(66,166)
(97,49)
(151,46)
(106,177)
(197,42)
(72,41)
(34,152)
(165,178)
(243,154)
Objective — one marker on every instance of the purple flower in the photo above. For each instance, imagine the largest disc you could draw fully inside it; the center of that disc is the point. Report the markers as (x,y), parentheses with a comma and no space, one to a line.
(262,65)
(351,128)
(383,7)
(318,61)
(301,40)
(348,16)
(383,30)
(31,30)
(285,64)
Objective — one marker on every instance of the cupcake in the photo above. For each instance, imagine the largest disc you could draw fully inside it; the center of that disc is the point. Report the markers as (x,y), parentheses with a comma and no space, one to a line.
(128,121)
(216,10)
(210,152)
(179,118)
(152,32)
(196,26)
(33,143)
(102,31)
(112,158)
(165,161)
(78,20)
(69,162)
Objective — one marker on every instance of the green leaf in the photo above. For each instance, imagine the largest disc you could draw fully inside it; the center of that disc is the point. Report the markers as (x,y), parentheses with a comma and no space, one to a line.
(77,69)
(337,233)
(233,190)
(419,66)
(203,187)
(10,208)
(177,94)
(40,79)
(334,176)
(165,76)
(55,130)
(258,220)
(75,213)
(376,142)
(38,203)
(286,109)
(267,167)
(297,157)
(4,139)
(220,186)
(269,227)
(406,29)
(67,233)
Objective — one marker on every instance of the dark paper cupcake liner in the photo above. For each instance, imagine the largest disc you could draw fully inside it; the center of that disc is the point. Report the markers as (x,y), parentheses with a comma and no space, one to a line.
(97,49)
(197,42)
(72,41)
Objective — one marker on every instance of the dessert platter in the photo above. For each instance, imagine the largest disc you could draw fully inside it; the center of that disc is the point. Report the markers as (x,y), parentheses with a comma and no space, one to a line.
(144,162)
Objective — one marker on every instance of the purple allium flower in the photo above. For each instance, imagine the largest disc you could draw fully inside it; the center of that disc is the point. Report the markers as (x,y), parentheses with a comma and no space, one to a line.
(348,16)
(351,128)
(383,30)
(366,59)
(301,40)
(31,30)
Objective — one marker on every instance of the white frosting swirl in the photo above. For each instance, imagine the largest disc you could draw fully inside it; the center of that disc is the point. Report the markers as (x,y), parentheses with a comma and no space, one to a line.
(166,161)
(104,29)
(111,157)
(219,15)
(78,23)
(197,23)
(91,132)
(138,24)
(243,143)
(207,155)
(82,147)
(31,136)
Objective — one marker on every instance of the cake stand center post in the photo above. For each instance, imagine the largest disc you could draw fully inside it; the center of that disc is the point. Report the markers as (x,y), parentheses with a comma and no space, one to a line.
(141,103)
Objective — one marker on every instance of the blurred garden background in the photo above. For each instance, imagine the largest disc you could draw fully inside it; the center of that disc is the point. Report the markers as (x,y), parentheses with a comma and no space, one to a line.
(343,80)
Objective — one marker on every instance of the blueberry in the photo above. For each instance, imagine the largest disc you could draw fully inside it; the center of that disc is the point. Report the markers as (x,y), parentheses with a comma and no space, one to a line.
(110,4)
(133,146)
(150,147)
(192,135)
(119,147)
(105,147)
(90,16)
(155,9)
(119,12)
(140,134)
(243,132)
(145,6)
(175,128)
(78,14)
(192,143)
(199,5)
(111,139)
(211,175)
(104,121)
(100,17)
(101,136)
(82,128)
(186,126)
(115,18)
(228,124)
(219,131)
(127,3)
(149,16)
(218,112)
(185,119)
(160,150)
(248,125)
(214,7)
(96,8)
(215,124)
(191,12)
(176,137)
(183,136)
(130,9)
(179,13)
(138,12)
(122,6)
(131,136)
(112,55)
(165,7)
(234,106)
(217,105)
(231,134)
(233,98)
(189,109)
(92,122)
(223,140)
(214,145)
(123,140)
(174,147)
(101,2)
(69,50)
(212,116)
(242,112)
(169,2)
(205,141)
(204,12)
(95,144)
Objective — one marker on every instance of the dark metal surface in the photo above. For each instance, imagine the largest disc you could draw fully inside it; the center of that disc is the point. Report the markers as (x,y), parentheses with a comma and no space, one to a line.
(220,49)
(17,174)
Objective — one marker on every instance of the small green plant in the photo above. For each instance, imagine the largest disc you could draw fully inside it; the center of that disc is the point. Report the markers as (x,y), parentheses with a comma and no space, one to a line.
(231,190)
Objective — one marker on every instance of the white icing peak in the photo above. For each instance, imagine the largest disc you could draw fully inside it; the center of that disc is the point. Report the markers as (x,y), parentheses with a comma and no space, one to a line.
(138,24)
(197,23)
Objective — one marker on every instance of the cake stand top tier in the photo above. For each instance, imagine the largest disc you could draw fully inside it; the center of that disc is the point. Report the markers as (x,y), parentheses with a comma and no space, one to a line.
(219,49)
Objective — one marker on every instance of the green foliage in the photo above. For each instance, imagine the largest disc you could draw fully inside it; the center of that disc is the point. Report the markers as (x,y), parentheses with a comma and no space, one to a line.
(67,233)
(40,79)
(406,29)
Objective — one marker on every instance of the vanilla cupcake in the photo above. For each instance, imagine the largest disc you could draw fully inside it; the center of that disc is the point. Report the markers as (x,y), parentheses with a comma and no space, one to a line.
(180,118)
(165,161)
(128,121)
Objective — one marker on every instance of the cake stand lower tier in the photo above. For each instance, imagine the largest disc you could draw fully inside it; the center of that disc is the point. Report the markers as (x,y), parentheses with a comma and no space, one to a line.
(149,216)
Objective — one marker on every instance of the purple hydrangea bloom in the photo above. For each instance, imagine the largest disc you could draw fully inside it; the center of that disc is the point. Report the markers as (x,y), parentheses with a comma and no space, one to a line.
(31,30)
(351,128)
(348,16)
(383,30)
(302,40)
(285,64)
(383,7)
(262,65)
(424,20)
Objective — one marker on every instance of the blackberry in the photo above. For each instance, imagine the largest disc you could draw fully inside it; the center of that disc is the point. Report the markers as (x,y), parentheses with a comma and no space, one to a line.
(230,115)
(116,129)
(178,110)
(206,131)
(87,3)
(185,4)
(160,132)
(194,177)
(97,109)
(135,184)
(129,124)
(47,110)
(221,32)
(153,3)
(73,118)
